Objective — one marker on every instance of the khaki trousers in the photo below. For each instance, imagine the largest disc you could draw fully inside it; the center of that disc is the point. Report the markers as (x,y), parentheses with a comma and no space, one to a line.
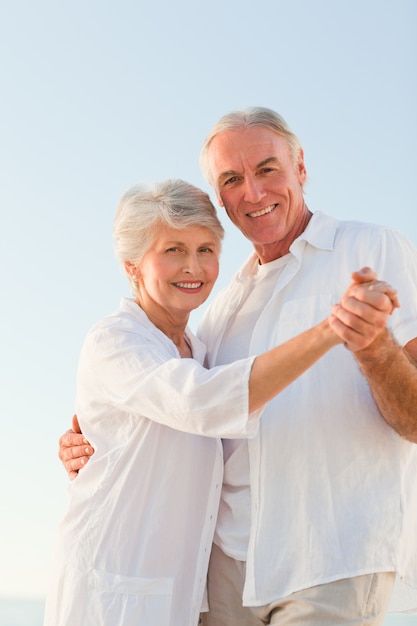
(362,600)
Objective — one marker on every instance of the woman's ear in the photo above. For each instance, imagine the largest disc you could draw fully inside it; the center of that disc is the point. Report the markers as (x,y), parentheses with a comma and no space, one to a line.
(129,268)
(132,272)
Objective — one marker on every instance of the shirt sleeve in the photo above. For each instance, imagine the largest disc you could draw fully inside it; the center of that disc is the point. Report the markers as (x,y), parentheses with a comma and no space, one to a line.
(138,375)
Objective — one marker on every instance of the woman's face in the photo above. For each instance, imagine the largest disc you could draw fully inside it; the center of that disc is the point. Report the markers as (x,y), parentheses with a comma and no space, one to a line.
(179,270)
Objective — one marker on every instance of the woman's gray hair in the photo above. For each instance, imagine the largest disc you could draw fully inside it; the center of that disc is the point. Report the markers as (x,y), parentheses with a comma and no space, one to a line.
(247,118)
(142,209)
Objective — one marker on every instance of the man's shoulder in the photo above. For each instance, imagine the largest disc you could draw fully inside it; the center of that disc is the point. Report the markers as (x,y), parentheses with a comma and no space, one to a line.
(222,305)
(337,231)
(216,310)
(321,219)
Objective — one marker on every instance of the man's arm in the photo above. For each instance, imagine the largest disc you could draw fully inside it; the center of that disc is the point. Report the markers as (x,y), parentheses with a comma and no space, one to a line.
(74,449)
(391,371)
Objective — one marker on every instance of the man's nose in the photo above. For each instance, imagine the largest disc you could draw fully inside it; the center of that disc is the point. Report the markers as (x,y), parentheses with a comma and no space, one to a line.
(253,190)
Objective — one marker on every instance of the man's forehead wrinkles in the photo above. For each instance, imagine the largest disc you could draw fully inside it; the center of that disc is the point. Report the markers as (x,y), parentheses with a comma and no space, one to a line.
(271,159)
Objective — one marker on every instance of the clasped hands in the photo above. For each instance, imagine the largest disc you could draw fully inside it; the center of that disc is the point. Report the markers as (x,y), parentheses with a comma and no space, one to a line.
(362,313)
(359,319)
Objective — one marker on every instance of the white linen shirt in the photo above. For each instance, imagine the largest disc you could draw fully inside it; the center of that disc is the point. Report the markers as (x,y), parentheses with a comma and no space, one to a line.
(333,487)
(134,545)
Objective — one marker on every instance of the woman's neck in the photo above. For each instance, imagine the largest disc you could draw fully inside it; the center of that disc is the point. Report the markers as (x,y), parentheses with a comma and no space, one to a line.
(171,325)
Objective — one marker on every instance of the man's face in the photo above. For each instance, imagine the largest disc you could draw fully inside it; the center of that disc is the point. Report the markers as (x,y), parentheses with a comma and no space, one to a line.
(260,186)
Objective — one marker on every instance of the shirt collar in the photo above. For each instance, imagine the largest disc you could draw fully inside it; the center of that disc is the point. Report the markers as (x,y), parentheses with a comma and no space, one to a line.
(320,232)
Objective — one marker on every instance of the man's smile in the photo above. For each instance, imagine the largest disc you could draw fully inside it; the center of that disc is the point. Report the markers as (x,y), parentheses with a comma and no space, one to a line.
(268,209)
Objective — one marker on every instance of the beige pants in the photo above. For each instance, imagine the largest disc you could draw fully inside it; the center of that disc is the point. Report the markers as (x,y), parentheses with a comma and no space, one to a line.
(362,600)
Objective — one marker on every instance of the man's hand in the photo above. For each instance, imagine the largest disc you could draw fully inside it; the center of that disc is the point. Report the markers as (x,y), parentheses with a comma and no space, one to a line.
(363,311)
(74,449)
(390,369)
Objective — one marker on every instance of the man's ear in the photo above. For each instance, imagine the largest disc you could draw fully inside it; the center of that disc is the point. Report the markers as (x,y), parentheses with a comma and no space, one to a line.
(219,198)
(301,168)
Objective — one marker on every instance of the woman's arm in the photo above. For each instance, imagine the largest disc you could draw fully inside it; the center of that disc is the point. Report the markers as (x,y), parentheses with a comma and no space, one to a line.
(274,370)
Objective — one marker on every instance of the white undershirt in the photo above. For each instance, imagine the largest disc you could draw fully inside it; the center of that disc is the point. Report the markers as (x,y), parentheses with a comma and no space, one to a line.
(233,522)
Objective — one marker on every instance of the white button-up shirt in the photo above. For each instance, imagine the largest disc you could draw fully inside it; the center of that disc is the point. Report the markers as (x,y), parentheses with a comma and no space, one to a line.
(134,545)
(334,489)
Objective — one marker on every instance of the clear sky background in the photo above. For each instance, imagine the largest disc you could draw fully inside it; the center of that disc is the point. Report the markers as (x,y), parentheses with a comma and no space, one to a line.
(96,96)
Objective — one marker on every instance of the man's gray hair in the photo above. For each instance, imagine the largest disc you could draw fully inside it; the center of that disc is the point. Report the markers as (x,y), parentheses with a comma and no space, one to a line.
(247,118)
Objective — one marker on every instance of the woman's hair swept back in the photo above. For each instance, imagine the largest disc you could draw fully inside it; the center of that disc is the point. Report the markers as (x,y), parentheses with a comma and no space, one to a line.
(142,209)
(247,118)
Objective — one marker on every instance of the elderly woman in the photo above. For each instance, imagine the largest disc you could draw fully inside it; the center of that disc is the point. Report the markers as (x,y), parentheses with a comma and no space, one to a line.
(133,548)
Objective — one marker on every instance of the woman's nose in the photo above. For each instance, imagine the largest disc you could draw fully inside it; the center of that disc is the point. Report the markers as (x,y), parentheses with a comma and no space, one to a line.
(192,264)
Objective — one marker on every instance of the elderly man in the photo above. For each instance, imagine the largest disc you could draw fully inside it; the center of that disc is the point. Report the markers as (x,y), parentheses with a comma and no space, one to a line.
(319,511)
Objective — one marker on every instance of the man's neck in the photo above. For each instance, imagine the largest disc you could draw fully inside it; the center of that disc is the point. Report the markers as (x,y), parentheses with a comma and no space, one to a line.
(277,249)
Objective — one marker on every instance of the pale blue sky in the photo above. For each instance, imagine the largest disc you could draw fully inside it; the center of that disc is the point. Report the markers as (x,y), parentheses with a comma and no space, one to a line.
(96,96)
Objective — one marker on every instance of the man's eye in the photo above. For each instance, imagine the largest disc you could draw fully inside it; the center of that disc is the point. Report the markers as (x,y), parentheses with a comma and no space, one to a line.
(206,250)
(230,180)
